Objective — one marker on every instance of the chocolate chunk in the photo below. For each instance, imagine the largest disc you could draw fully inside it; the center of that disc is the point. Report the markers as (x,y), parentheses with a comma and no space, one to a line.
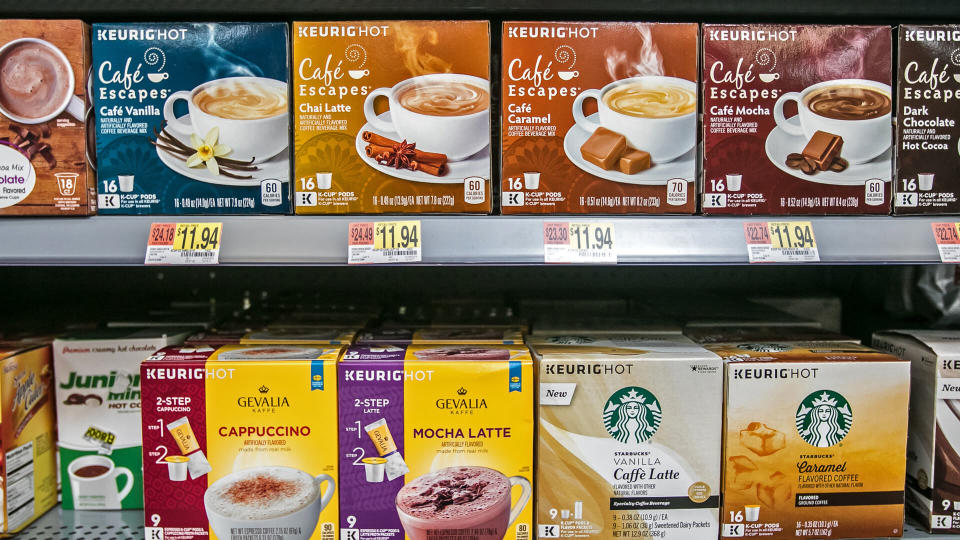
(44,130)
(822,148)
(604,148)
(839,164)
(633,161)
(47,156)
(794,160)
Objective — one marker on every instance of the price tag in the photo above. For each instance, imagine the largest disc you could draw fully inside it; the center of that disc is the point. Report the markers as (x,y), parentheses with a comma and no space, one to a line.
(781,241)
(947,236)
(579,243)
(384,242)
(184,243)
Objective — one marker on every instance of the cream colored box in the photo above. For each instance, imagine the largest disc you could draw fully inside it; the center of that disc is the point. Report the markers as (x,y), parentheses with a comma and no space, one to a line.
(629,437)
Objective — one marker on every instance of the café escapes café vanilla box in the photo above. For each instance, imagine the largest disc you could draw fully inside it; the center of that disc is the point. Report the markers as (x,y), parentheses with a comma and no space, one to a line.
(796,119)
(599,117)
(436,442)
(192,118)
(392,116)
(239,442)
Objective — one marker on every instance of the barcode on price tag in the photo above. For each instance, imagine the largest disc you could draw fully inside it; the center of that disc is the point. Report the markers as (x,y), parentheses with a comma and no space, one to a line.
(384,242)
(781,241)
(184,243)
(579,243)
(947,236)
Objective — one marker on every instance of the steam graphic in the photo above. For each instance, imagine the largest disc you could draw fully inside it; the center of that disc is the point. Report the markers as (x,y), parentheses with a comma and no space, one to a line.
(154,56)
(566,55)
(766,57)
(955,60)
(222,63)
(356,53)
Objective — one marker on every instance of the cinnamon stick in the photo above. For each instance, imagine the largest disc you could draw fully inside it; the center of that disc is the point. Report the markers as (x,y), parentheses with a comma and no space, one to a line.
(374,150)
(388,144)
(429,168)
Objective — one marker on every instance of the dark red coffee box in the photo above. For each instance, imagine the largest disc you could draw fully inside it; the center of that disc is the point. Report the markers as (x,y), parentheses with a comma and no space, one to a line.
(797,119)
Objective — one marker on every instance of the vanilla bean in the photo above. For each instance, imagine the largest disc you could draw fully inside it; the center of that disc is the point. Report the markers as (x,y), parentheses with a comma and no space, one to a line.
(246,165)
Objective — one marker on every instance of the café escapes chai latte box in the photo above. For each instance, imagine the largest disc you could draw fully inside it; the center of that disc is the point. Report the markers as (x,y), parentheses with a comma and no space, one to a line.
(599,117)
(392,117)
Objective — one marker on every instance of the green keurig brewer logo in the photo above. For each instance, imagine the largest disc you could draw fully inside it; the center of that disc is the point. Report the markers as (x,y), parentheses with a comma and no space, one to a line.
(824,418)
(632,415)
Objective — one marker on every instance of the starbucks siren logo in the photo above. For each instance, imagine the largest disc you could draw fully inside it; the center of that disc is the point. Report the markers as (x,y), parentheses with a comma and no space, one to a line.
(824,418)
(632,415)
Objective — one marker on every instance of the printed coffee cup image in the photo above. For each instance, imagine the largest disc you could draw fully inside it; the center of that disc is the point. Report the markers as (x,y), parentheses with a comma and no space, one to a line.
(93,480)
(374,468)
(445,113)
(752,512)
(475,501)
(177,467)
(925,181)
(267,497)
(66,182)
(857,110)
(250,113)
(126,182)
(531,180)
(36,82)
(656,114)
(733,182)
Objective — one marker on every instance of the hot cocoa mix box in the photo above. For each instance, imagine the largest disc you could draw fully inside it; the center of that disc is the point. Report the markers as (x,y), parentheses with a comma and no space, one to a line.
(392,116)
(45,119)
(192,118)
(796,119)
(598,117)
(928,93)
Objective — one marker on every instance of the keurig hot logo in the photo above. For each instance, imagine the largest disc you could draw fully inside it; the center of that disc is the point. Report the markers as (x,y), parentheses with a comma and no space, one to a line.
(632,415)
(824,418)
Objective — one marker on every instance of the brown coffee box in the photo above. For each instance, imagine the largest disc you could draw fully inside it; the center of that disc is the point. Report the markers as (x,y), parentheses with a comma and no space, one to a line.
(392,117)
(598,117)
(928,92)
(796,119)
(44,115)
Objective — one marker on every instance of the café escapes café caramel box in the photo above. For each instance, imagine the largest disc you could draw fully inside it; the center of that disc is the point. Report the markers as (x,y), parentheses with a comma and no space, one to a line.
(796,119)
(392,116)
(599,117)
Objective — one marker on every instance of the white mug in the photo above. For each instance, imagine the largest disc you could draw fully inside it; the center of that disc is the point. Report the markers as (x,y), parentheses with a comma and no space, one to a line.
(665,139)
(71,103)
(260,138)
(98,492)
(459,137)
(863,140)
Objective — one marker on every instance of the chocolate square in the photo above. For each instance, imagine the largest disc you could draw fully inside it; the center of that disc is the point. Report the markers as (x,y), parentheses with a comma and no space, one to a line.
(633,161)
(604,148)
(822,148)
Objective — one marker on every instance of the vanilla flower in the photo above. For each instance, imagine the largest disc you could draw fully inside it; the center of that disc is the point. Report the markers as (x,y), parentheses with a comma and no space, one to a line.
(207,151)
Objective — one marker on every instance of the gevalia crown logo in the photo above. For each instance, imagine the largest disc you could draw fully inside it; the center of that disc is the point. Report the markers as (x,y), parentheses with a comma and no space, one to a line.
(824,418)
(462,391)
(263,402)
(263,389)
(632,415)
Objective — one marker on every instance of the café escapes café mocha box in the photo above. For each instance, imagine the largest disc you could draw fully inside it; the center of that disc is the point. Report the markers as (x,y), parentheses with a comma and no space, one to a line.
(392,116)
(599,117)
(796,119)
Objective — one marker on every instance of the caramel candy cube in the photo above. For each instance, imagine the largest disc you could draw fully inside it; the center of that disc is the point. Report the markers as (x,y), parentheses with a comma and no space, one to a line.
(822,148)
(776,491)
(740,473)
(761,439)
(604,148)
(633,161)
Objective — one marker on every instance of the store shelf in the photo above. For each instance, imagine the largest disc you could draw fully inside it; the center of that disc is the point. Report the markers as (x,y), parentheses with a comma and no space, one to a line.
(497,240)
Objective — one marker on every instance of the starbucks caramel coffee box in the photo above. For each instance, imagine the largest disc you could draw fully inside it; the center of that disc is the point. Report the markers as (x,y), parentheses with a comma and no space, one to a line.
(928,93)
(45,119)
(814,442)
(240,442)
(797,119)
(392,117)
(598,117)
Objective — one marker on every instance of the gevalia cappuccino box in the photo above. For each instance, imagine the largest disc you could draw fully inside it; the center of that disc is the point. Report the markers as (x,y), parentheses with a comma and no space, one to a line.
(192,118)
(797,119)
(239,442)
(98,414)
(45,117)
(598,117)
(933,445)
(814,442)
(392,117)
(436,441)
(928,94)
(629,437)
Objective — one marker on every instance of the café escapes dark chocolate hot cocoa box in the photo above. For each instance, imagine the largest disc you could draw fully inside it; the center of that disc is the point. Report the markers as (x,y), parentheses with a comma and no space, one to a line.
(598,117)
(928,92)
(796,119)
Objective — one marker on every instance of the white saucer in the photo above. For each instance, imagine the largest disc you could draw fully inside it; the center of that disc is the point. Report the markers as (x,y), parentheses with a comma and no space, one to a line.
(475,165)
(275,168)
(780,143)
(657,175)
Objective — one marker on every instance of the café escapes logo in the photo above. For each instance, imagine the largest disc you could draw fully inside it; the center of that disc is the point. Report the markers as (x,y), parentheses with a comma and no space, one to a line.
(632,415)
(824,418)
(461,404)
(263,402)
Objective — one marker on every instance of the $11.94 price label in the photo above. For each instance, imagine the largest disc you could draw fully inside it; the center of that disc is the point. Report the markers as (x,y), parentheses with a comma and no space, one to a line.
(781,241)
(947,236)
(588,243)
(384,242)
(184,243)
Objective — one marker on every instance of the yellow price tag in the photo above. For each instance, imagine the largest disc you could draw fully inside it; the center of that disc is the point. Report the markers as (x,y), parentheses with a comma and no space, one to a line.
(197,236)
(396,235)
(595,236)
(791,235)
